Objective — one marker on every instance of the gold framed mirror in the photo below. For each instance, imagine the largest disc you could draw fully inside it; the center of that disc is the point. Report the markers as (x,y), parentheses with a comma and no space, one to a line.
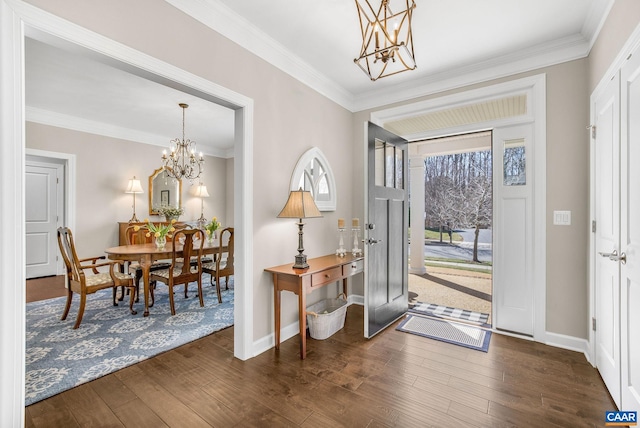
(163,190)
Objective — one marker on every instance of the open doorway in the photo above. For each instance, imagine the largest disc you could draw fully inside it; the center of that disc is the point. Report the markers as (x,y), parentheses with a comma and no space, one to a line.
(458,224)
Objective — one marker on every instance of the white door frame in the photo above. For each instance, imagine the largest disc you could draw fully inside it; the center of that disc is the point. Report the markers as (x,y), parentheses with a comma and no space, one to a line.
(17,17)
(69,162)
(535,88)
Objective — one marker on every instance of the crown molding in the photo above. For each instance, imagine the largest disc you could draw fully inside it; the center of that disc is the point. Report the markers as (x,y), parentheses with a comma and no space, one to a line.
(74,123)
(226,22)
(223,20)
(544,55)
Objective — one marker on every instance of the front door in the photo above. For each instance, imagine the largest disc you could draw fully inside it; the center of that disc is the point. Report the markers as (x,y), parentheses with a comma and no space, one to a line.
(42,204)
(607,235)
(387,214)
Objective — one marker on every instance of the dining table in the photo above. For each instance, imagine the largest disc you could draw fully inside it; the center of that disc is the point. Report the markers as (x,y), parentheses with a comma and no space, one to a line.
(146,254)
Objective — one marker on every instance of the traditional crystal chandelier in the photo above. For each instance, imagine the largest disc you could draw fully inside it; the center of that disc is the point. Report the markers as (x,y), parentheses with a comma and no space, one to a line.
(182,162)
(387,42)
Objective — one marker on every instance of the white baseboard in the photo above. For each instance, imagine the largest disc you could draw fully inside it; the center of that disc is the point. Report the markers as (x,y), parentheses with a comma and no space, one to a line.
(287,332)
(569,342)
(552,339)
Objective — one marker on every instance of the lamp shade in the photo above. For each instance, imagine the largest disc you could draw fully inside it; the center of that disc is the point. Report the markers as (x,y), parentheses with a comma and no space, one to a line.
(300,205)
(134,186)
(201,191)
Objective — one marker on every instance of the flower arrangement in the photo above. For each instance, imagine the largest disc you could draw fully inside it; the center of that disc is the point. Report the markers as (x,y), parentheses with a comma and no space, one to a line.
(169,211)
(158,231)
(211,227)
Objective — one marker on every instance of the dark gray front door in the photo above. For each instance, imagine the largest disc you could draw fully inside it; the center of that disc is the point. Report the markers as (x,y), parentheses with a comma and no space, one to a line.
(386,278)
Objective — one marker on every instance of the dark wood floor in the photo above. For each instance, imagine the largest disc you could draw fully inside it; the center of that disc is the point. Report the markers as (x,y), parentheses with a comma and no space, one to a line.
(395,379)
(44,288)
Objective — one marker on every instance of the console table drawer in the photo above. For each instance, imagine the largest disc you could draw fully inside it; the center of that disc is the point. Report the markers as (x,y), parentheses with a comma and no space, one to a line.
(353,268)
(326,276)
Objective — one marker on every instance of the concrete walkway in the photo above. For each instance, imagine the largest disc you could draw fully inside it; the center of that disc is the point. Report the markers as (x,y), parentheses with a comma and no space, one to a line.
(444,285)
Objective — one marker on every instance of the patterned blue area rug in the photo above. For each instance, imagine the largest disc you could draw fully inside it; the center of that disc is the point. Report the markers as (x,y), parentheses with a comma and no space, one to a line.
(447,331)
(110,338)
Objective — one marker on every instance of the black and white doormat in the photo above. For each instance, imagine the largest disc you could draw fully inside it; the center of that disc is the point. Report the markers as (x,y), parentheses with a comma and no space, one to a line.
(455,314)
(447,331)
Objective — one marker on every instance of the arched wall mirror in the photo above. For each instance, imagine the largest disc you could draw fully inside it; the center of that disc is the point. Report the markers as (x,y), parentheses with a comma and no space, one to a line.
(163,190)
(313,173)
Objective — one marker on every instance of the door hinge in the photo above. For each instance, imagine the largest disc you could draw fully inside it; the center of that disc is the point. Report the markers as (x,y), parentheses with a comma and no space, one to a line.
(593,324)
(593,226)
(593,131)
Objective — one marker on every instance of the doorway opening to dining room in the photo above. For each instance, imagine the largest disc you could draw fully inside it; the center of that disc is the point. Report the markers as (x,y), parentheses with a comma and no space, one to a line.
(239,170)
(458,221)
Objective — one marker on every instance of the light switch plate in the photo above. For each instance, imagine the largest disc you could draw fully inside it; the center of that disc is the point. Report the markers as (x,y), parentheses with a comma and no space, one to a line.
(562,218)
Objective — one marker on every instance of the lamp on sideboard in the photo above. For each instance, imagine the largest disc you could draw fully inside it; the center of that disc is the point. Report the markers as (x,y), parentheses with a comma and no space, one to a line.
(134,187)
(201,192)
(300,205)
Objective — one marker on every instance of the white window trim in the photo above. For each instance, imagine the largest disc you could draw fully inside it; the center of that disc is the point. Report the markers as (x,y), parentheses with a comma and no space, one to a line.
(316,154)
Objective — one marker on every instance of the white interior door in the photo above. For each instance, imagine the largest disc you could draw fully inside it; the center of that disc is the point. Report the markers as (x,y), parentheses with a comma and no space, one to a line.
(630,235)
(513,219)
(607,236)
(43,202)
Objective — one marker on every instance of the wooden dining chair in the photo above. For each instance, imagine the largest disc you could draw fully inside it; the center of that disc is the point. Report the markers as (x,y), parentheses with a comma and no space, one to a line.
(137,234)
(79,282)
(221,266)
(179,272)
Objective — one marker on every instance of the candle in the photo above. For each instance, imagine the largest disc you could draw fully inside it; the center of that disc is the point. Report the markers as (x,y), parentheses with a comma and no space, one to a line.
(340,223)
(355,222)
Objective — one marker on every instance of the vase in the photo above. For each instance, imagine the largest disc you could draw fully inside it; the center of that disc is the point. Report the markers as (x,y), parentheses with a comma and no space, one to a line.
(161,241)
(171,217)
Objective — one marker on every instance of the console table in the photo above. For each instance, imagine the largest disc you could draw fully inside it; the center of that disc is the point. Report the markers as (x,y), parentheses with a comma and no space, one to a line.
(321,271)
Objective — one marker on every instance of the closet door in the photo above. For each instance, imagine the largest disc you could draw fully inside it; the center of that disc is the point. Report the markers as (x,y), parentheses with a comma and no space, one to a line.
(606,115)
(630,233)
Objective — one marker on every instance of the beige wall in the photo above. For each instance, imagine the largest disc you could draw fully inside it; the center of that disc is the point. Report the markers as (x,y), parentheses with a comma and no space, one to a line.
(621,22)
(289,117)
(567,189)
(103,167)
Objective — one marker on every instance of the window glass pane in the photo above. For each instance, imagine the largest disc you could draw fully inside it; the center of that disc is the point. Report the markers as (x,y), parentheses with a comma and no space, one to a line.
(514,163)
(399,170)
(379,160)
(389,164)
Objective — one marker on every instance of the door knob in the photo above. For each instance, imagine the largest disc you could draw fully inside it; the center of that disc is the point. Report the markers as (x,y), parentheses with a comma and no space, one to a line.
(371,241)
(614,257)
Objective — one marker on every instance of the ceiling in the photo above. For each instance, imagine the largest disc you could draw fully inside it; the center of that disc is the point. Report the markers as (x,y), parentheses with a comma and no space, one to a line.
(457,43)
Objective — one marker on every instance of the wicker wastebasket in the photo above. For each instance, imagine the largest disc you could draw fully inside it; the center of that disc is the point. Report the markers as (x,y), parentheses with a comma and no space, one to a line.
(326,317)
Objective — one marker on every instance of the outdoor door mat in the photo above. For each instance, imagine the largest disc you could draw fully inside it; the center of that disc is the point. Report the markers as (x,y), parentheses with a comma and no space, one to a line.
(455,314)
(447,331)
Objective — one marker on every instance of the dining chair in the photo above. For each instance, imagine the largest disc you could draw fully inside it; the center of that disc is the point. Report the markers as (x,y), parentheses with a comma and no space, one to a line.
(221,266)
(136,234)
(79,282)
(179,272)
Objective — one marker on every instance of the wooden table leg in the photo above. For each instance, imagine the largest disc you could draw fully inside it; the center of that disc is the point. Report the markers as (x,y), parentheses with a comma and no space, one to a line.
(276,309)
(145,264)
(302,319)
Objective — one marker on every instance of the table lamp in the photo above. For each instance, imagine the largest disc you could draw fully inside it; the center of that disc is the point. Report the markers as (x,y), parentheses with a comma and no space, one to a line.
(201,192)
(134,187)
(300,205)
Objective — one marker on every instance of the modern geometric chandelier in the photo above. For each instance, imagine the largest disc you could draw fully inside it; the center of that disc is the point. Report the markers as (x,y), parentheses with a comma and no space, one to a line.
(387,41)
(182,162)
